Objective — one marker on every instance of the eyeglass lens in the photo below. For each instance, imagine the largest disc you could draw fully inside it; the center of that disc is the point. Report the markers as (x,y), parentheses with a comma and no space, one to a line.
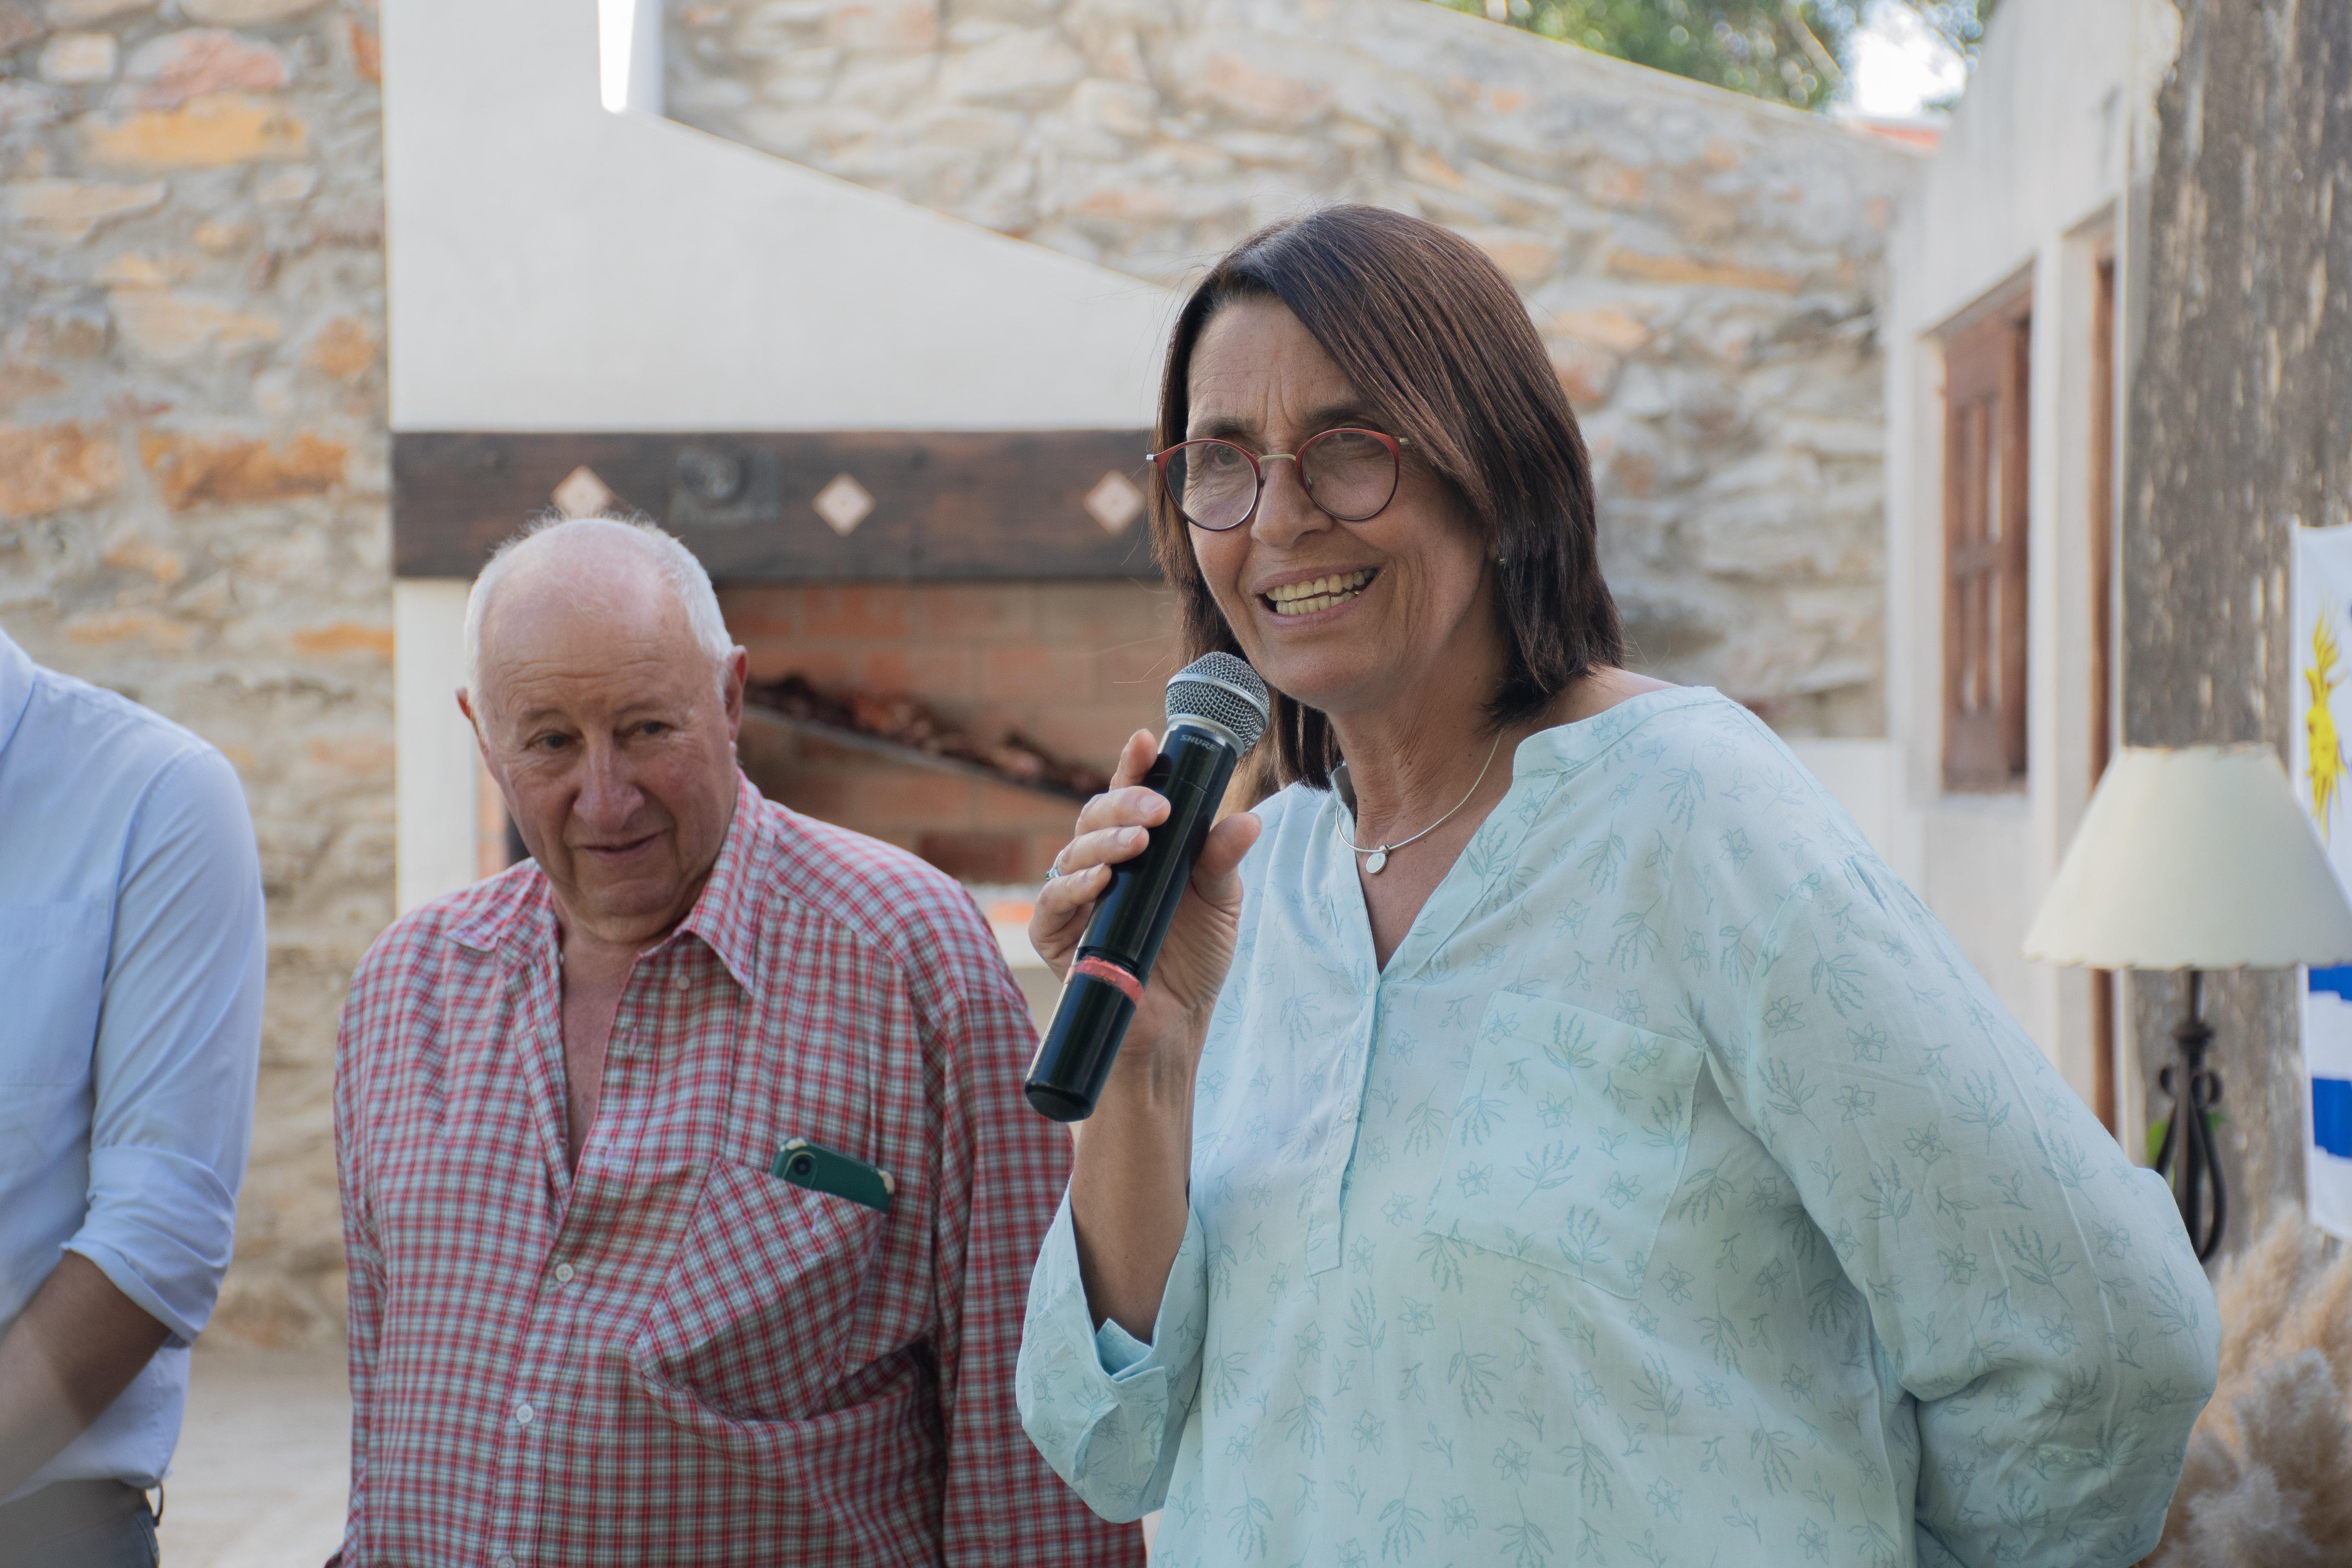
(1350,474)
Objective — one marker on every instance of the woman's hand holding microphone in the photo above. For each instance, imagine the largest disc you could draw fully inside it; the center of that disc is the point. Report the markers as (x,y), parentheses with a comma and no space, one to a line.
(1127,1186)
(1173,1016)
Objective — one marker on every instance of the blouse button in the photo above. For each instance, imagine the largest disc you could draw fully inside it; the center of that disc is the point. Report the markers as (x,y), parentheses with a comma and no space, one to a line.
(681,981)
(523,1414)
(564,1272)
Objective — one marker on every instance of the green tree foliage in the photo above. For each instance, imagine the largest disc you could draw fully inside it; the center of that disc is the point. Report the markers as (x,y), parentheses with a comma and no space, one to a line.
(1787,51)
(1960,23)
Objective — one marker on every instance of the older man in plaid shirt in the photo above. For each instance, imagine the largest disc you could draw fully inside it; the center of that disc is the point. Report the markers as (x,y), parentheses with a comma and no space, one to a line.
(587,1325)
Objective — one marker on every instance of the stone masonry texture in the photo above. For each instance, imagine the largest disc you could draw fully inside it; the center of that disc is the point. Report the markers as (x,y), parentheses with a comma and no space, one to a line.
(2240,428)
(1707,270)
(191,481)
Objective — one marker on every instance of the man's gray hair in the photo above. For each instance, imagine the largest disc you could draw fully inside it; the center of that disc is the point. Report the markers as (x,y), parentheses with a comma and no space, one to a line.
(674,561)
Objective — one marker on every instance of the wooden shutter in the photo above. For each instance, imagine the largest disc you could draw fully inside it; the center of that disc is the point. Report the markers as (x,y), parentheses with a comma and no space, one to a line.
(1985,466)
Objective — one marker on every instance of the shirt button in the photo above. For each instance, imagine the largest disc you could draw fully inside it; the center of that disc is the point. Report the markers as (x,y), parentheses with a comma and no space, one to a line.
(506,1559)
(523,1413)
(681,981)
(564,1273)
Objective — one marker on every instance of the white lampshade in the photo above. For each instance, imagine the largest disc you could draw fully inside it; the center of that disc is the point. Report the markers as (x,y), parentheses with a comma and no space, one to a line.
(2194,859)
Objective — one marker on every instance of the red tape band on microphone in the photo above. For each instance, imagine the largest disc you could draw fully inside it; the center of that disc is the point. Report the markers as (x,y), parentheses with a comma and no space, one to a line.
(1110,975)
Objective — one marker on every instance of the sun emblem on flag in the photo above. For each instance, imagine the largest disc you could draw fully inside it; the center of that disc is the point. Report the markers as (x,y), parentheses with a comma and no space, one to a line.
(2327,767)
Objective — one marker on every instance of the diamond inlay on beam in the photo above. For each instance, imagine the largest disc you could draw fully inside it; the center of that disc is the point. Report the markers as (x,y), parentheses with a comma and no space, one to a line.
(1114,502)
(843,503)
(899,505)
(583,494)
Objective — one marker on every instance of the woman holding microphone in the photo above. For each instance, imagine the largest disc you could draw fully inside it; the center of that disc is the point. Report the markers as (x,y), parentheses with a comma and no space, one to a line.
(1549,1133)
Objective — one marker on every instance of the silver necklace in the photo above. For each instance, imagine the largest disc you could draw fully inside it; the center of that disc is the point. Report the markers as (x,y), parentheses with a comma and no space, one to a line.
(1379,852)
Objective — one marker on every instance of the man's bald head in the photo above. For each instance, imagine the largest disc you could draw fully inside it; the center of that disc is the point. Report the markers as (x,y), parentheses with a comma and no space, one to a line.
(603,565)
(606,700)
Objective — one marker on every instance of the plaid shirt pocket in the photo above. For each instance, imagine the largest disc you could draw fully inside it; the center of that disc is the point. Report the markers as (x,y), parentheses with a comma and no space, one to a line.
(755,1317)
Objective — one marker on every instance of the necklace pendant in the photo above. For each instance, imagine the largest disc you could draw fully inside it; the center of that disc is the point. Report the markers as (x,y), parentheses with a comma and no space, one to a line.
(1375,860)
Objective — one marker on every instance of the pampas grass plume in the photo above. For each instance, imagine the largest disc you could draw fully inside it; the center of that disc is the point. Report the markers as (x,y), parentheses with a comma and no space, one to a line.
(2268,1478)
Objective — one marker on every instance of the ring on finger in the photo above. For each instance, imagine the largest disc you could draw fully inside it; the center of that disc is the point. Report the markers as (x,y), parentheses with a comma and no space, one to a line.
(1052,872)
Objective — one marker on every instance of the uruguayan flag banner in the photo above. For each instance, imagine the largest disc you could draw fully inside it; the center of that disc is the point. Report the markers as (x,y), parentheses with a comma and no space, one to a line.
(2322,762)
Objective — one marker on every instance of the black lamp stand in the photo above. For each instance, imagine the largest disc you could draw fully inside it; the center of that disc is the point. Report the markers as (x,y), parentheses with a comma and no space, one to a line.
(2195,1090)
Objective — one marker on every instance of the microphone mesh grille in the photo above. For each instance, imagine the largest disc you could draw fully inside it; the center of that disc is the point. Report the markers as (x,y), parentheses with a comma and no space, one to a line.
(1224,690)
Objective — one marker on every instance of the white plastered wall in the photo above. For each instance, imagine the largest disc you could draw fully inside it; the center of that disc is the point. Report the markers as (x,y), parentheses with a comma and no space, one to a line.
(2034,176)
(556,265)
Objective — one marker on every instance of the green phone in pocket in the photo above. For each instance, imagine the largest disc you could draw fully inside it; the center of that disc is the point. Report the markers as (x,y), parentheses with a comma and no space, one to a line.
(820,1169)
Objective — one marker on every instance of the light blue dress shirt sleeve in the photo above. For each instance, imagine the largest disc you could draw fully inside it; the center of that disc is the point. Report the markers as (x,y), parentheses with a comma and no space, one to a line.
(1105,1410)
(178,1051)
(131,957)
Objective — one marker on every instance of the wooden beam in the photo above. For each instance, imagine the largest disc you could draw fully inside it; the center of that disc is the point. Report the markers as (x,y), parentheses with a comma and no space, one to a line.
(945,505)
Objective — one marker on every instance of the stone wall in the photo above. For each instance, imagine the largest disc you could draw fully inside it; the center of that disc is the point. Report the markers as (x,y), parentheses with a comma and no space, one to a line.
(1706,269)
(1078,667)
(2240,428)
(192,481)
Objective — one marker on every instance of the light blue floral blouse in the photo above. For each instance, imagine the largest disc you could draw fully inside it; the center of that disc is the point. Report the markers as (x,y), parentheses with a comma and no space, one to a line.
(1676,1195)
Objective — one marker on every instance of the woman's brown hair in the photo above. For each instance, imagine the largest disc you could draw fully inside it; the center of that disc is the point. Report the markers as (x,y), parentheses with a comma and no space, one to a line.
(1434,339)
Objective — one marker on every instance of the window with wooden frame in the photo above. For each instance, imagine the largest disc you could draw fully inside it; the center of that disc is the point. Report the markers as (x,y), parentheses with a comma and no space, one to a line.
(1985,466)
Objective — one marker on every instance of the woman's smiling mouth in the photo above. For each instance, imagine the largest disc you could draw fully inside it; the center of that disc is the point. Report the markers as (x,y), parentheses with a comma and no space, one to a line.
(1294,599)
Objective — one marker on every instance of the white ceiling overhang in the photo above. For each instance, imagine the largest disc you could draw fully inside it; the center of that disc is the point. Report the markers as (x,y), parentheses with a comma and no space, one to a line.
(557,265)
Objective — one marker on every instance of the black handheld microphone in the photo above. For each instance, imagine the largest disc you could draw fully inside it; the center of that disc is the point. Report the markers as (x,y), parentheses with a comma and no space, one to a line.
(1216,711)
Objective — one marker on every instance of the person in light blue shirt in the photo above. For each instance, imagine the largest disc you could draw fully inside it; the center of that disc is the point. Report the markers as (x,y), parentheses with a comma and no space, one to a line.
(131,954)
(1550,1134)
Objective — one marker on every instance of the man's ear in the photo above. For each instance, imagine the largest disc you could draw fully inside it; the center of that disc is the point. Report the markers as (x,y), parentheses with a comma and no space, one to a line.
(473,721)
(731,689)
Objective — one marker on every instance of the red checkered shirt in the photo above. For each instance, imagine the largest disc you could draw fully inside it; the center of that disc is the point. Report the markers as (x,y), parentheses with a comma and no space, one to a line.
(672,1356)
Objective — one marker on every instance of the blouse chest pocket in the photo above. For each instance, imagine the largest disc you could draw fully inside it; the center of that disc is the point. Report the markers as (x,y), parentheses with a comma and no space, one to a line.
(1567,1142)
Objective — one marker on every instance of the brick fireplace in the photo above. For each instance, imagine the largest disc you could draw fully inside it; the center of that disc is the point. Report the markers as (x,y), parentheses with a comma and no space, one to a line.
(1077,667)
